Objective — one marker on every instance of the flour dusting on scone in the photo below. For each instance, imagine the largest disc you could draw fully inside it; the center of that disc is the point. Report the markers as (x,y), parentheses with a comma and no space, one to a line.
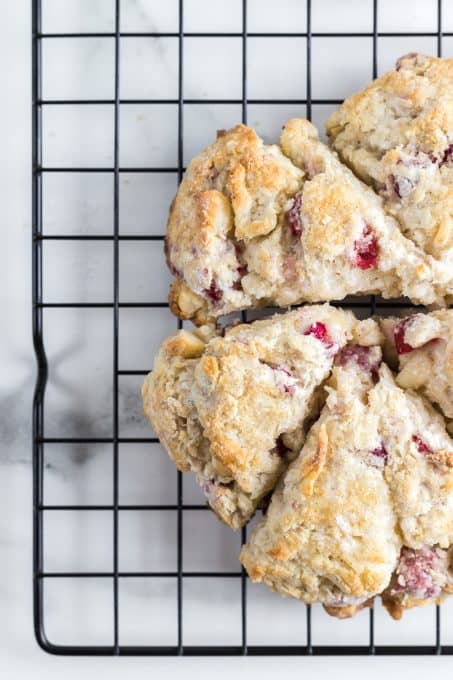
(234,410)
(397,134)
(423,345)
(372,486)
(255,224)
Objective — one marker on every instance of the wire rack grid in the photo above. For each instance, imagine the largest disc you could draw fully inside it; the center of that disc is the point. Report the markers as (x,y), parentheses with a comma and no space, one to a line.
(43,511)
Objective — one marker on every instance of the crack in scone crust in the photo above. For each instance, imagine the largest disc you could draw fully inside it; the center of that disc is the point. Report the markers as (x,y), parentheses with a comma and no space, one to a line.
(233,409)
(365,509)
(397,134)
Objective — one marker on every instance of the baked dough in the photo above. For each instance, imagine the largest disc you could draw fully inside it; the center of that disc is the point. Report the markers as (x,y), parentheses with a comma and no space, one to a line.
(397,134)
(421,347)
(373,482)
(253,224)
(233,192)
(233,409)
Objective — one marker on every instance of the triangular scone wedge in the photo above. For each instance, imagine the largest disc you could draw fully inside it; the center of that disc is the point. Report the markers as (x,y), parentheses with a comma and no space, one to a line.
(329,534)
(397,134)
(234,410)
(422,345)
(253,224)
(374,478)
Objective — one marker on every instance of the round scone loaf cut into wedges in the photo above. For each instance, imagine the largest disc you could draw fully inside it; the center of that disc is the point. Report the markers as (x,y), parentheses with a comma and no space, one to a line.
(253,224)
(234,409)
(397,134)
(421,346)
(366,509)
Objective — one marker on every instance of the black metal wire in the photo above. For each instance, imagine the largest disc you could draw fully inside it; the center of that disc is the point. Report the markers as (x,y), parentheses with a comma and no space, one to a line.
(180,498)
(37,321)
(333,34)
(116,321)
(40,575)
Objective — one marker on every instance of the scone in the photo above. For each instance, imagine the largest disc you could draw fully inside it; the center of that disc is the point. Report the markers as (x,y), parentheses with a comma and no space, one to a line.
(253,224)
(234,409)
(367,507)
(423,347)
(397,134)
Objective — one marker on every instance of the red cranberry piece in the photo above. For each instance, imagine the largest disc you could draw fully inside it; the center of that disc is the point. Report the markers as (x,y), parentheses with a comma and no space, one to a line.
(214,293)
(448,155)
(380,452)
(402,347)
(319,331)
(399,335)
(361,356)
(366,249)
(414,573)
(422,446)
(293,216)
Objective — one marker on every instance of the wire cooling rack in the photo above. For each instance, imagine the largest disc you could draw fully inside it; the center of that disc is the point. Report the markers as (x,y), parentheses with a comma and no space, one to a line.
(162,618)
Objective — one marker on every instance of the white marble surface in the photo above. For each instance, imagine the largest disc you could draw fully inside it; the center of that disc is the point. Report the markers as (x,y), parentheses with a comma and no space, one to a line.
(79,344)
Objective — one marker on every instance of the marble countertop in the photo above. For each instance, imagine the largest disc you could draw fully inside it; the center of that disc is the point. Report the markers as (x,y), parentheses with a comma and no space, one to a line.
(79,342)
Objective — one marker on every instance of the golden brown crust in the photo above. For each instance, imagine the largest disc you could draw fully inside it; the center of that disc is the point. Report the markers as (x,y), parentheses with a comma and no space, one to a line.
(185,344)
(349,611)
(394,607)
(312,467)
(186,304)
